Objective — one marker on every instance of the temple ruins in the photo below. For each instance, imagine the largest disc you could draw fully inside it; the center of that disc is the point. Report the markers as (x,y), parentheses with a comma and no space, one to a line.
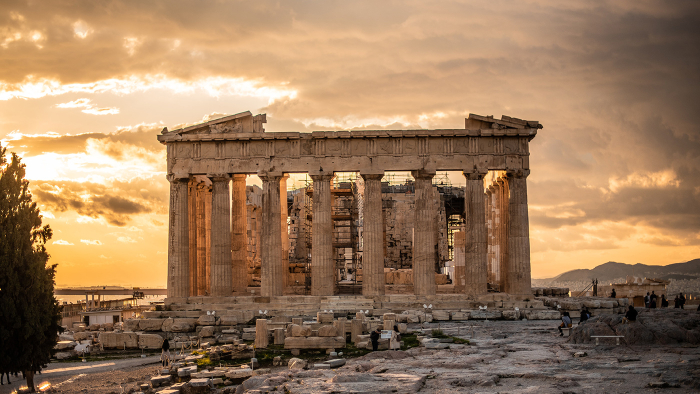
(353,239)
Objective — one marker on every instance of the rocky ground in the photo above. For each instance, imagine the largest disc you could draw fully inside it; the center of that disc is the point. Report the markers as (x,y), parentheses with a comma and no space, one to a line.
(503,356)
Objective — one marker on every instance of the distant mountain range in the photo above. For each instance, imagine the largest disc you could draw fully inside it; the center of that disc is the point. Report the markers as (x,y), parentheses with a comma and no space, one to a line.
(612,270)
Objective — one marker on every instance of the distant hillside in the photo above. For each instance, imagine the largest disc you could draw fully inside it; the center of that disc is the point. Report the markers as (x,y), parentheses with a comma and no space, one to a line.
(612,270)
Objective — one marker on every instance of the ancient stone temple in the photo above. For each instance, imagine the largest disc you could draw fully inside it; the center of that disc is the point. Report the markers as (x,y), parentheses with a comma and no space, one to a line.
(209,243)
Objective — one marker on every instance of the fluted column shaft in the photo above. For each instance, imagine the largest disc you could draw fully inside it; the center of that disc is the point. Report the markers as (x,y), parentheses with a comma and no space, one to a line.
(519,281)
(488,218)
(475,235)
(496,234)
(207,235)
(220,236)
(322,263)
(202,245)
(284,213)
(192,236)
(239,234)
(423,235)
(373,237)
(178,243)
(271,275)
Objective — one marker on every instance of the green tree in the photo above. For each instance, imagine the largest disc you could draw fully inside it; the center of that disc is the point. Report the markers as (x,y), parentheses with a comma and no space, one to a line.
(30,316)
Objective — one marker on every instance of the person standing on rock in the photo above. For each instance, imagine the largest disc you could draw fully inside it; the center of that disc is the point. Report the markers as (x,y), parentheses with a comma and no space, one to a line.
(374,337)
(165,354)
(681,300)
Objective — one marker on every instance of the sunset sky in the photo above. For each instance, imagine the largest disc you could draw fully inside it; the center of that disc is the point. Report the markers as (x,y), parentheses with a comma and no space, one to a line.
(85,87)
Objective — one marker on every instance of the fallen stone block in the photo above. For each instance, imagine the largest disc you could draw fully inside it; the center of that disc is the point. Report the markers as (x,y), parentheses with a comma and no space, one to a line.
(207,331)
(441,315)
(335,363)
(239,373)
(206,320)
(187,371)
(314,343)
(160,380)
(327,331)
(485,314)
(296,363)
(150,341)
(324,317)
(65,345)
(150,324)
(65,355)
(511,315)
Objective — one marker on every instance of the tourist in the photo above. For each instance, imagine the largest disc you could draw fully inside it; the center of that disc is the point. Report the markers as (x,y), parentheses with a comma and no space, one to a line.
(664,301)
(677,302)
(647,300)
(565,323)
(165,353)
(681,300)
(395,341)
(585,315)
(631,315)
(2,377)
(374,337)
(613,294)
(652,300)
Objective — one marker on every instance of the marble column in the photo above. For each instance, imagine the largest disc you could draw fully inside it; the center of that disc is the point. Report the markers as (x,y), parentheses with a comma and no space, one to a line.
(518,236)
(459,277)
(284,213)
(475,235)
(207,235)
(495,238)
(192,230)
(488,195)
(220,236)
(202,245)
(322,262)
(503,232)
(424,239)
(271,275)
(178,233)
(373,237)
(239,235)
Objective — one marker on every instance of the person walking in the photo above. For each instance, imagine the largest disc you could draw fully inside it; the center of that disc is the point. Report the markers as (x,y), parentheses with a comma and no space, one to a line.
(165,353)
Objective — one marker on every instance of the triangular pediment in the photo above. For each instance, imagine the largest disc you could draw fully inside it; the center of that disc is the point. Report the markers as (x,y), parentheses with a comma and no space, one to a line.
(243,122)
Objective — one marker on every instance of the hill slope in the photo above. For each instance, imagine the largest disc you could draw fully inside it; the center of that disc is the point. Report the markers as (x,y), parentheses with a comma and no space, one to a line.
(612,270)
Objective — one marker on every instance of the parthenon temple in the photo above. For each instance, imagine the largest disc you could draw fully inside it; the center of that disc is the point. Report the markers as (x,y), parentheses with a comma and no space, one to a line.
(349,230)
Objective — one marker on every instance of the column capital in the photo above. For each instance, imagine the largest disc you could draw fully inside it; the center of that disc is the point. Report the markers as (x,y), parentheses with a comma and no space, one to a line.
(474,175)
(239,177)
(518,173)
(423,174)
(372,176)
(178,177)
(270,176)
(321,177)
(219,177)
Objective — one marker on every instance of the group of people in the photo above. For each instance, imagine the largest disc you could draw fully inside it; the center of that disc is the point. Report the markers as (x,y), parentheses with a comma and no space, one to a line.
(650,301)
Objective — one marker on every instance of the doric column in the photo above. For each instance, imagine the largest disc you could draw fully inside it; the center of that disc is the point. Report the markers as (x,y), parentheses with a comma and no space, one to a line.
(220,236)
(495,233)
(271,275)
(284,213)
(202,245)
(192,230)
(178,233)
(488,195)
(239,235)
(459,277)
(207,235)
(322,263)
(475,235)
(373,237)
(503,232)
(423,235)
(518,235)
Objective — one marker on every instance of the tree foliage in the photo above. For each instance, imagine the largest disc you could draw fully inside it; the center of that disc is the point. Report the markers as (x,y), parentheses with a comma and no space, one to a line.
(30,316)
